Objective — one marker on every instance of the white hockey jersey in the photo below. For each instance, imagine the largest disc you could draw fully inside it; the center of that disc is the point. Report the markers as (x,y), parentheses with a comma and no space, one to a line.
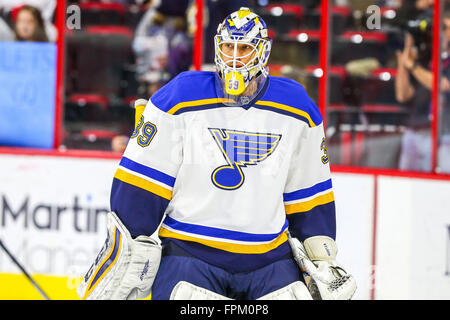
(227,182)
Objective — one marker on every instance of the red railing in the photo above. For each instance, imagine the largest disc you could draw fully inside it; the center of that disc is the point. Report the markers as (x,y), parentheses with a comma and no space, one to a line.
(59,99)
(436,57)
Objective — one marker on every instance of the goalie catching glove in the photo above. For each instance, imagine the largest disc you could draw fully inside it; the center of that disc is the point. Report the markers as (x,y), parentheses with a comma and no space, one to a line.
(324,277)
(125,268)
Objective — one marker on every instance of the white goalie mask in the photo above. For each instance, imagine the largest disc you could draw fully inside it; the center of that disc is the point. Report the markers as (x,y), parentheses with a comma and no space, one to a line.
(242,49)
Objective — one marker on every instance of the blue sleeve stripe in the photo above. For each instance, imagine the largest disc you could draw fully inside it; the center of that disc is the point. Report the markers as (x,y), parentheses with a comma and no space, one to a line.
(221,233)
(307,192)
(147,171)
(142,183)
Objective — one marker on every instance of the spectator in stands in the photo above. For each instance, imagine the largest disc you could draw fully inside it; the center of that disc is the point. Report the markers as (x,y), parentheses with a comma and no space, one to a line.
(413,85)
(162,47)
(29,25)
(46,7)
(10,9)
(119,143)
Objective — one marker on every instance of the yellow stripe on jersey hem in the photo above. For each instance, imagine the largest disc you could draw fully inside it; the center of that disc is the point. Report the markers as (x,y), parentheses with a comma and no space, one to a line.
(308,205)
(226,246)
(288,109)
(196,103)
(143,184)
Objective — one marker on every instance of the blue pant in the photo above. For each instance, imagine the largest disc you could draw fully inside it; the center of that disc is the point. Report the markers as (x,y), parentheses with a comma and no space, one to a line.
(242,286)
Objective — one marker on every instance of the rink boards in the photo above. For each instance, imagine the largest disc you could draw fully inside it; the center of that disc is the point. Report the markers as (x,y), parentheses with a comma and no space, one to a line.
(393,233)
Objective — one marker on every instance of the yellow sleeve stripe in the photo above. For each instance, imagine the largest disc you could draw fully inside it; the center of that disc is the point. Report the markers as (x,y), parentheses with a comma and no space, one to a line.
(226,246)
(143,184)
(196,103)
(308,205)
(288,109)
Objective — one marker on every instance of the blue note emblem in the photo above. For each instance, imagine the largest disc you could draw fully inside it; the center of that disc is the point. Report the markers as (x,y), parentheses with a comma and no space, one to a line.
(240,149)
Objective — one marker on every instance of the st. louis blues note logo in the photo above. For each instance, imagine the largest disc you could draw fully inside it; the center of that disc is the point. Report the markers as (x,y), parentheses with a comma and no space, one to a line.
(240,149)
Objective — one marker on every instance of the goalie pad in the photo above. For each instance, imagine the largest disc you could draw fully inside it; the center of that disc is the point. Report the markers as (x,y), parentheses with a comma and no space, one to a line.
(187,291)
(125,268)
(295,291)
(324,277)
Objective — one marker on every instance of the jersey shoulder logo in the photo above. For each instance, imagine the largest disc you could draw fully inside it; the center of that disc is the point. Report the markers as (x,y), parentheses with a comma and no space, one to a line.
(240,149)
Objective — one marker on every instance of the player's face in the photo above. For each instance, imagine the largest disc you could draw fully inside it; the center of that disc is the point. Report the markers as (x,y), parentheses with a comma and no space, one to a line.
(244,53)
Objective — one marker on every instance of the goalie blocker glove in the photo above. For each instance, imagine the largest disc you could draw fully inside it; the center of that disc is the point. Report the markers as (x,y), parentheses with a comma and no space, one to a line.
(325,278)
(125,268)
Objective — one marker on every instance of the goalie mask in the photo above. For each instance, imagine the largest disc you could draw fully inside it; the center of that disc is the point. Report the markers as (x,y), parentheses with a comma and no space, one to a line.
(242,49)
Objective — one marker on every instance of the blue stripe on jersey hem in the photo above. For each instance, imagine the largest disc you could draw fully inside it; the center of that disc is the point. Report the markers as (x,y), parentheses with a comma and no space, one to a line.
(308,192)
(147,171)
(230,262)
(221,233)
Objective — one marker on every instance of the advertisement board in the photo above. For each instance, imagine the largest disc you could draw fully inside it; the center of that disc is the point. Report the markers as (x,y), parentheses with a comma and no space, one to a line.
(413,239)
(52,217)
(393,233)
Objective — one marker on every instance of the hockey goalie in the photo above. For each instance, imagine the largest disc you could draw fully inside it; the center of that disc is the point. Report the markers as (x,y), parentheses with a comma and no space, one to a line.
(231,168)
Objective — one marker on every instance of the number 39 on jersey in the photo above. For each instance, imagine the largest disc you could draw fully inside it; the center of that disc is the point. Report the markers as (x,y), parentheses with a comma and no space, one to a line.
(144,132)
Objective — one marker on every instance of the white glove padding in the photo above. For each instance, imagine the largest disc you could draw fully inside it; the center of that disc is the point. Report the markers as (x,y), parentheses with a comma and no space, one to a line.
(324,277)
(125,268)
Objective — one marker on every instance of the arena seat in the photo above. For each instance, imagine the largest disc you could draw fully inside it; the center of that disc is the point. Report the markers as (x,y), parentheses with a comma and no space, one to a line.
(110,30)
(282,17)
(299,47)
(340,19)
(354,45)
(86,107)
(103,13)
(379,87)
(96,58)
(336,88)
(89,139)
